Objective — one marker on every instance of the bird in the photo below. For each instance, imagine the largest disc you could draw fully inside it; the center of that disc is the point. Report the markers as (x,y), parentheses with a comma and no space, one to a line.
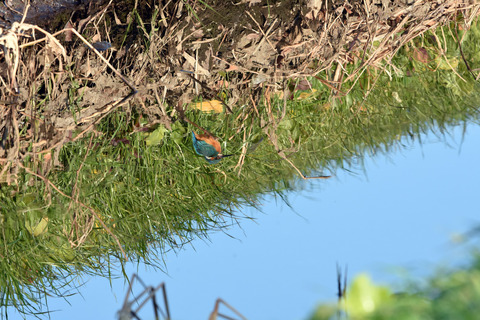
(208,146)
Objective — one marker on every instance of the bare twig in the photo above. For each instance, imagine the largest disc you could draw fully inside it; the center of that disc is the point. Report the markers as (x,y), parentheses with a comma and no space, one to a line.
(265,34)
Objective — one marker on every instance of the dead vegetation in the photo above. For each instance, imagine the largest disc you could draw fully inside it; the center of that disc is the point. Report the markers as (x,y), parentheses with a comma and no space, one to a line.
(56,87)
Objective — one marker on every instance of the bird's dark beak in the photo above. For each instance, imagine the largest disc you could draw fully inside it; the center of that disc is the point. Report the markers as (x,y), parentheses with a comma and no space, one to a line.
(226,155)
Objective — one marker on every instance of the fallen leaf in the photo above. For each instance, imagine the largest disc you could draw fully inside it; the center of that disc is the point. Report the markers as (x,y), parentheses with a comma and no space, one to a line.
(303,85)
(306,95)
(421,55)
(39,229)
(68,33)
(222,84)
(208,106)
(199,69)
(156,137)
(232,68)
(446,63)
(117,21)
(251,36)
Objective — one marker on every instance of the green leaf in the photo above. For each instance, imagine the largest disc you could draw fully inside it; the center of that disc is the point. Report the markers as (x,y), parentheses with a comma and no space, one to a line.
(364,297)
(156,137)
(39,228)
(286,124)
(443,64)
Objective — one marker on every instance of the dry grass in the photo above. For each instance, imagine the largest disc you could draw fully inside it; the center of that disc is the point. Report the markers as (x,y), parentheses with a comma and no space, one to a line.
(36,126)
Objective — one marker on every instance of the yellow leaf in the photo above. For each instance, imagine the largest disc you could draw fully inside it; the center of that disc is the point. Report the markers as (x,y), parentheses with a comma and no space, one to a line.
(306,95)
(209,106)
(39,229)
(446,63)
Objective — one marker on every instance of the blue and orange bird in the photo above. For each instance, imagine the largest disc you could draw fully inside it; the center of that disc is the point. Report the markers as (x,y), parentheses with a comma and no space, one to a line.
(208,146)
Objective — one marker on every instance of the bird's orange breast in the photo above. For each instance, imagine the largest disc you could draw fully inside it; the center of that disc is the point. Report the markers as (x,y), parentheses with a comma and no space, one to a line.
(210,140)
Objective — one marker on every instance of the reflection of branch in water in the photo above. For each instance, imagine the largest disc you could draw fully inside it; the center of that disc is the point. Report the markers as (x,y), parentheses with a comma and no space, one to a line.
(126,313)
(299,172)
(341,289)
(215,313)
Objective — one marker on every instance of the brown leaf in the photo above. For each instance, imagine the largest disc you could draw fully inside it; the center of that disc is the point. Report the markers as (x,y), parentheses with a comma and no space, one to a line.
(96,38)
(303,85)
(251,36)
(68,34)
(421,55)
(117,21)
(232,68)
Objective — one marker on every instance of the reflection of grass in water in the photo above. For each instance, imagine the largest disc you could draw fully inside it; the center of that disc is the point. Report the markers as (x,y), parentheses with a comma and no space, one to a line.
(156,197)
(453,294)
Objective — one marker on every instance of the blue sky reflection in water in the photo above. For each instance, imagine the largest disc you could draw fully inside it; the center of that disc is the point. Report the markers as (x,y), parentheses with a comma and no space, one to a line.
(402,212)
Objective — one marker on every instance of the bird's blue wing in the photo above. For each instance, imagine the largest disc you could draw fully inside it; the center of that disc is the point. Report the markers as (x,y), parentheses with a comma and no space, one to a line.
(202,148)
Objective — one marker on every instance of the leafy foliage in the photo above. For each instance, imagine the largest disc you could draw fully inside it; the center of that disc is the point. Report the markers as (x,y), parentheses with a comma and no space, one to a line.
(451,294)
